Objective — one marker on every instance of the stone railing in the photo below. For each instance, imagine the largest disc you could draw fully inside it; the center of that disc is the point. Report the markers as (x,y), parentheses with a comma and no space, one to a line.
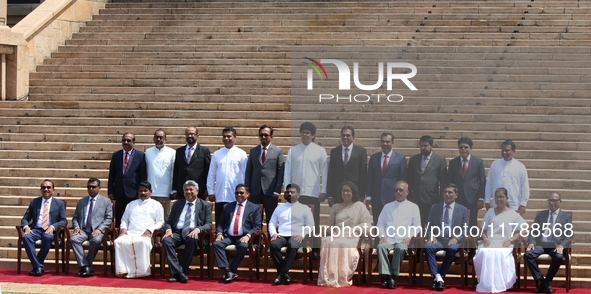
(30,41)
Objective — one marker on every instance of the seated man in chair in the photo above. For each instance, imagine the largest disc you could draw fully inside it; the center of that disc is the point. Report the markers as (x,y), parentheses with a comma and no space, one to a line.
(238,222)
(189,217)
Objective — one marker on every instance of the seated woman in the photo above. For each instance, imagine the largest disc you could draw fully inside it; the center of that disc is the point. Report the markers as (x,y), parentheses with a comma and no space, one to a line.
(339,255)
(494,262)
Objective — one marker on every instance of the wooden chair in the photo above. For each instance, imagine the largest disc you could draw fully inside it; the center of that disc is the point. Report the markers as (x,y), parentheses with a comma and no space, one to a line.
(107,245)
(59,238)
(546,259)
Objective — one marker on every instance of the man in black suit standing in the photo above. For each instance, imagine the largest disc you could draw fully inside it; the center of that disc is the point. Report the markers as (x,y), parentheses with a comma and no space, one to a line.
(189,217)
(264,172)
(239,221)
(427,175)
(555,228)
(43,216)
(467,172)
(348,162)
(126,171)
(444,215)
(191,163)
(385,169)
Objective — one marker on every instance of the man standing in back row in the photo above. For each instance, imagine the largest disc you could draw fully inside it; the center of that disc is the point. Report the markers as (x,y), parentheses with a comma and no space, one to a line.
(191,163)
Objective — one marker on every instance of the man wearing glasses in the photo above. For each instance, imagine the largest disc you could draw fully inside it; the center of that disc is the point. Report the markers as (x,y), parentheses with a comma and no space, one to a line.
(467,173)
(159,165)
(43,216)
(126,171)
(264,172)
(191,163)
(94,213)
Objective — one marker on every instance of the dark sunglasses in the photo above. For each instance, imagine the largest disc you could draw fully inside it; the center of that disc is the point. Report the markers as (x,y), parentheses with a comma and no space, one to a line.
(91,187)
(264,135)
(126,141)
(46,187)
(239,193)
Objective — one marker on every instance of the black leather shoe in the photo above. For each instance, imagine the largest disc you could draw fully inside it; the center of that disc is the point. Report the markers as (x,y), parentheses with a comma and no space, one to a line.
(230,276)
(548,288)
(172,279)
(390,283)
(287,279)
(88,272)
(180,277)
(278,280)
(81,271)
(33,272)
(440,286)
(434,285)
(541,288)
(40,272)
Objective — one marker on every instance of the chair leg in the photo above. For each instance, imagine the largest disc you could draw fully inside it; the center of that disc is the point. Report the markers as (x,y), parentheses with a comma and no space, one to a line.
(18,258)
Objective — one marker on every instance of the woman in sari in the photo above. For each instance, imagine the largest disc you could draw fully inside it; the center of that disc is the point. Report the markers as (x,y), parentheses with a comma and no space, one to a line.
(339,255)
(494,262)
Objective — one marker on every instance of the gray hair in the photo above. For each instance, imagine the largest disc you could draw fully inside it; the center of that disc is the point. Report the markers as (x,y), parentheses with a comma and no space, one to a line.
(191,183)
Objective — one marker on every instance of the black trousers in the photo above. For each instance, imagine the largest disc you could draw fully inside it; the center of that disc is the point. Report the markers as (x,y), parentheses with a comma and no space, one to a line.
(283,264)
(530,261)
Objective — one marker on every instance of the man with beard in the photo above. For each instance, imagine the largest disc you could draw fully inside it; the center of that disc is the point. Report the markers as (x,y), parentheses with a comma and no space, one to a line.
(191,163)
(159,163)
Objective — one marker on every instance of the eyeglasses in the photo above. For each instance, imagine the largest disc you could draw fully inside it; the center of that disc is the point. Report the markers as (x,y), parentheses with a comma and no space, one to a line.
(190,134)
(463,147)
(159,137)
(126,140)
(264,135)
(46,187)
(239,192)
(91,187)
(553,200)
(399,190)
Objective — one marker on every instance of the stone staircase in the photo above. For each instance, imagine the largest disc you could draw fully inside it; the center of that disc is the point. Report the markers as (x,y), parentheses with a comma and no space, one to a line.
(490,70)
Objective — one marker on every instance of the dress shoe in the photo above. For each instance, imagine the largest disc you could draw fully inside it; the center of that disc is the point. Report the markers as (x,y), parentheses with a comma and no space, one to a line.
(287,279)
(440,286)
(88,272)
(230,276)
(181,277)
(541,288)
(548,289)
(278,280)
(224,276)
(172,279)
(390,283)
(39,272)
(81,271)
(33,272)
(434,285)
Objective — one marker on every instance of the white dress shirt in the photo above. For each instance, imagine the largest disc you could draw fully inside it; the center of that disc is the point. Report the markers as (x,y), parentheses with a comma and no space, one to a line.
(140,216)
(226,171)
(398,217)
(290,219)
(306,165)
(512,176)
(159,164)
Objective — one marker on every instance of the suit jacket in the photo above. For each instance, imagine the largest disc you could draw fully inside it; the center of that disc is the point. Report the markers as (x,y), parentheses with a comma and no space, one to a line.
(102,215)
(426,187)
(196,170)
(267,177)
(471,187)
(126,184)
(562,218)
(459,218)
(202,215)
(355,170)
(57,213)
(381,187)
(251,220)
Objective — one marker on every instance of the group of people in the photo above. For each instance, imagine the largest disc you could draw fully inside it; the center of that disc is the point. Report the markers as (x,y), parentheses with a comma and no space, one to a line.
(396,193)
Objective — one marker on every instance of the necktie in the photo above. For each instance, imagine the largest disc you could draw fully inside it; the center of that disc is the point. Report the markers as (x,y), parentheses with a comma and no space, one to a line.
(45,219)
(264,155)
(237,219)
(125,161)
(190,155)
(188,215)
(89,217)
(385,164)
(424,164)
(446,220)
(551,221)
(346,159)
(465,167)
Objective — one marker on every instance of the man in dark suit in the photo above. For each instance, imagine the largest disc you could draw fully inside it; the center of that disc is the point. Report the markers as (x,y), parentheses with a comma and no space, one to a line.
(191,163)
(93,214)
(467,172)
(348,162)
(264,172)
(442,234)
(126,171)
(43,216)
(551,241)
(427,175)
(239,221)
(189,217)
(384,170)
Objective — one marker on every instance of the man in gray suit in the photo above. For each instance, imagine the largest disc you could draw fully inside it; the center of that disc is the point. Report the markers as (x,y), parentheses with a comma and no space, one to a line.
(264,172)
(427,175)
(189,217)
(94,213)
(551,241)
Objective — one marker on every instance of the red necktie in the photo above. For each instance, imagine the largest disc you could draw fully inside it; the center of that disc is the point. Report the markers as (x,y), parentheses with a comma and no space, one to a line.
(465,167)
(263,156)
(385,165)
(125,161)
(237,219)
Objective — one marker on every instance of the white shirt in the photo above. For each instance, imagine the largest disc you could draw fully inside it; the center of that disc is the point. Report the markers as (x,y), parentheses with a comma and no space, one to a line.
(510,175)
(226,170)
(143,215)
(398,218)
(40,218)
(181,222)
(240,231)
(289,219)
(159,164)
(306,165)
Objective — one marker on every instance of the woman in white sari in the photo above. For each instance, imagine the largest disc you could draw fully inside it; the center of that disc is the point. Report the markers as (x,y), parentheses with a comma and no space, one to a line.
(494,262)
(339,255)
